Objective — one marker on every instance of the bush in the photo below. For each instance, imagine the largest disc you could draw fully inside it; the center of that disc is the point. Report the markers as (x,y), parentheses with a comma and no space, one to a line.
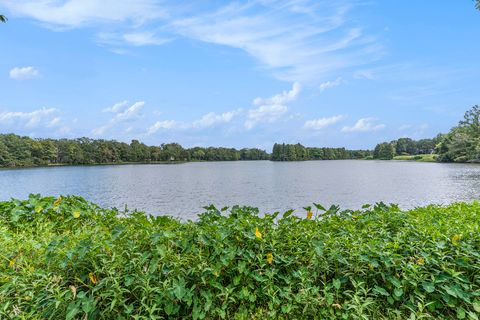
(67,258)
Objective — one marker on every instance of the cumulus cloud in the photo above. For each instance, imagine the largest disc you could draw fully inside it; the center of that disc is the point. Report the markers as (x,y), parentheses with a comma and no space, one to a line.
(44,117)
(123,113)
(206,121)
(117,107)
(364,125)
(331,84)
(24,73)
(266,114)
(166,124)
(281,98)
(271,109)
(211,119)
(321,123)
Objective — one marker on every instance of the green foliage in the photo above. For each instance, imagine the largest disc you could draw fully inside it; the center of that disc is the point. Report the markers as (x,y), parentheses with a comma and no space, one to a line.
(3,18)
(419,158)
(69,259)
(297,152)
(16,151)
(384,151)
(462,143)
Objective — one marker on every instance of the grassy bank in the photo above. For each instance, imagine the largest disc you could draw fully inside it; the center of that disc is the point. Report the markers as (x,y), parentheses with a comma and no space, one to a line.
(419,158)
(69,259)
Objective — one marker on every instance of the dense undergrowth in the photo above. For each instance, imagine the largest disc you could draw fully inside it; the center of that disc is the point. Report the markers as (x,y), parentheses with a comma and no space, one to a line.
(69,259)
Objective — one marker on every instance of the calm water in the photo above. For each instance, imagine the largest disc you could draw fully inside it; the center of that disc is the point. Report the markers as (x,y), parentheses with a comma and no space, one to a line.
(183,189)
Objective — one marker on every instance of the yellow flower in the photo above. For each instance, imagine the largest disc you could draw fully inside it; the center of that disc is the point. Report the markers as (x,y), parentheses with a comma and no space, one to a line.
(456,238)
(421,261)
(57,202)
(269,258)
(76,214)
(258,234)
(92,277)
(309,215)
(12,262)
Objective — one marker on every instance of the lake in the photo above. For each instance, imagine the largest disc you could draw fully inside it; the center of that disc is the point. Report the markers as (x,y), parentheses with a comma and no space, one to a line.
(183,189)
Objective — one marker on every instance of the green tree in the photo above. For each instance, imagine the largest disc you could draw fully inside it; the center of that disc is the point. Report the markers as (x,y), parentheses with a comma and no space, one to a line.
(3,18)
(384,151)
(462,143)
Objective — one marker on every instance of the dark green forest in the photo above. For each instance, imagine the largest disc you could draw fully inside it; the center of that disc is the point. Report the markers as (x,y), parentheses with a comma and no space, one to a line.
(461,144)
(17,151)
(297,152)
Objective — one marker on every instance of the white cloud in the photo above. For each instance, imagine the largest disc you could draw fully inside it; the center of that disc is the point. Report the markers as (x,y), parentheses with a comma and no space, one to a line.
(167,124)
(122,112)
(364,125)
(211,119)
(304,44)
(43,117)
(24,73)
(321,123)
(266,114)
(117,107)
(281,98)
(79,13)
(271,109)
(298,40)
(144,38)
(208,120)
(331,84)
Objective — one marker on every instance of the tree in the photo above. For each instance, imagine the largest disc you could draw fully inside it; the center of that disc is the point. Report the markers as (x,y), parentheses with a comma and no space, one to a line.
(462,143)
(478,5)
(384,151)
(3,18)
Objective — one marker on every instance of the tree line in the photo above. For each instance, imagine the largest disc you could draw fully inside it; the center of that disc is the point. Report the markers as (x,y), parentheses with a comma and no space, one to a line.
(405,146)
(18,151)
(460,144)
(298,152)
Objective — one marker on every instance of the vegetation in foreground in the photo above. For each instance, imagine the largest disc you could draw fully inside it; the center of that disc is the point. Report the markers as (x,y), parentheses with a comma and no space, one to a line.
(67,258)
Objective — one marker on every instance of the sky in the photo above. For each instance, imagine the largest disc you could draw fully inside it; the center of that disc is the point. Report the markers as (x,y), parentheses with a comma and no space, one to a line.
(345,73)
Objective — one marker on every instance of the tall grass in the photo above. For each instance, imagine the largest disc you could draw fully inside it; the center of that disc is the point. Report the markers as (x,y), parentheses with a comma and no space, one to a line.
(67,258)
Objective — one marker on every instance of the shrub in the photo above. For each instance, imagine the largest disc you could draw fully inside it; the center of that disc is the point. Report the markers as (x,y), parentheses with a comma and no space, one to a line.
(67,258)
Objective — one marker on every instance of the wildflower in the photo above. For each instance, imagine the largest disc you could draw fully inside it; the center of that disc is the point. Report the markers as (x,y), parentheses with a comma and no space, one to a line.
(74,290)
(76,214)
(269,258)
(258,234)
(92,277)
(12,262)
(57,202)
(309,215)
(421,261)
(456,238)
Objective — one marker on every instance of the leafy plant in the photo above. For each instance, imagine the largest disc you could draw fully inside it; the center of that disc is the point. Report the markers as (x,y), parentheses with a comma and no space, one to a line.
(66,258)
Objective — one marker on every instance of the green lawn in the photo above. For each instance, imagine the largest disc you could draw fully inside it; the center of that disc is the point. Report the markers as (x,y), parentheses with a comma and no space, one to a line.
(67,258)
(419,158)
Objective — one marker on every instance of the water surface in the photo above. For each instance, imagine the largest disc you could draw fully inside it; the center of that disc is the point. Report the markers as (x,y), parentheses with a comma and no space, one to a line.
(183,189)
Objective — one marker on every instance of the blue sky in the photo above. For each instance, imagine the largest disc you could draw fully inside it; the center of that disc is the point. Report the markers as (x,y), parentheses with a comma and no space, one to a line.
(237,74)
